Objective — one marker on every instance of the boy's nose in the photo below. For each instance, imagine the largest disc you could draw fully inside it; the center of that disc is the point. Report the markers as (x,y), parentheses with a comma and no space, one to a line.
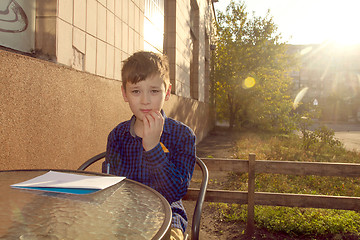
(145,98)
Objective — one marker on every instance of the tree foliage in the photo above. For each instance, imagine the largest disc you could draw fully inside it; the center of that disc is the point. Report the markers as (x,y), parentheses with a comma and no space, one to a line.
(251,69)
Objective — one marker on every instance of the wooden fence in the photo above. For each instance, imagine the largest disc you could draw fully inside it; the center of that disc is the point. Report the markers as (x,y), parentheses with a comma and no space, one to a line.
(252,198)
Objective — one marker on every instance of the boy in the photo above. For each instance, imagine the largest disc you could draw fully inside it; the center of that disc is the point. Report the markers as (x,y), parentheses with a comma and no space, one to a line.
(151,148)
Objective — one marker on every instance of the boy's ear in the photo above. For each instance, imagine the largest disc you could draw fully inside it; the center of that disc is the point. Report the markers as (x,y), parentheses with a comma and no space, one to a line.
(124,94)
(168,93)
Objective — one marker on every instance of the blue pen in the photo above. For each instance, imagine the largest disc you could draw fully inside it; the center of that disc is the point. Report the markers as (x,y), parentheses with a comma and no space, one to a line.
(108,168)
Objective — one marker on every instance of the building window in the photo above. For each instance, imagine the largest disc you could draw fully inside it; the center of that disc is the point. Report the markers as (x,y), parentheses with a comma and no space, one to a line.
(194,50)
(154,25)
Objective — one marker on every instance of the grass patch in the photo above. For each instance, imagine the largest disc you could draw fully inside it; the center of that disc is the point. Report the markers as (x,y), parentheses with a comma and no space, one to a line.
(295,221)
(317,146)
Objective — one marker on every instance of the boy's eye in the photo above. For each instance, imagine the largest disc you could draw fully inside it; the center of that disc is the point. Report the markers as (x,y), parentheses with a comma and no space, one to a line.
(155,91)
(135,91)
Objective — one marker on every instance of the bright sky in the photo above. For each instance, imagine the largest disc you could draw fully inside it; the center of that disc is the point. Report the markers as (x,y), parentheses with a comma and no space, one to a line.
(309,21)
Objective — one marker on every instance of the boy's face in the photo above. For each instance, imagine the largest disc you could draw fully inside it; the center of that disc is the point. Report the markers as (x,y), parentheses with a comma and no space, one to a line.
(145,96)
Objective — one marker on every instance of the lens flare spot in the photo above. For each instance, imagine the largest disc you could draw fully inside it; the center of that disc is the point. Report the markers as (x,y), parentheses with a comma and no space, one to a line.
(299,97)
(249,82)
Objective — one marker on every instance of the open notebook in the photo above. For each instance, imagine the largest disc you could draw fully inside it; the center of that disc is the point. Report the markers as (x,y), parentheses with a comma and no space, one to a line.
(61,182)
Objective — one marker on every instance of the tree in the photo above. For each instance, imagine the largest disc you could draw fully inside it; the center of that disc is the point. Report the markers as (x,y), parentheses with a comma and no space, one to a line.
(251,71)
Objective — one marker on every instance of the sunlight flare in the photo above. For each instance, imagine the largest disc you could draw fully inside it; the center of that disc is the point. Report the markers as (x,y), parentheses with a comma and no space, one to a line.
(249,82)
(299,97)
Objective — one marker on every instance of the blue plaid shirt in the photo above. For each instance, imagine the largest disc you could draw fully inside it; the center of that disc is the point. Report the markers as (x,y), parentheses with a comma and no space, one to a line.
(167,168)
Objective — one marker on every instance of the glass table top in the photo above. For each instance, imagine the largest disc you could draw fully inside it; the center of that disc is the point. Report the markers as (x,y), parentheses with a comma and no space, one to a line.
(127,210)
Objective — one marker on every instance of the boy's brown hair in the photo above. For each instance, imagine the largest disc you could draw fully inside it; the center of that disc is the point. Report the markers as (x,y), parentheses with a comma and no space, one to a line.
(142,65)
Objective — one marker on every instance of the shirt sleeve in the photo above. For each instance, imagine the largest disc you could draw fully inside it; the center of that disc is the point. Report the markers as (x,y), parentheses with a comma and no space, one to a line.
(172,176)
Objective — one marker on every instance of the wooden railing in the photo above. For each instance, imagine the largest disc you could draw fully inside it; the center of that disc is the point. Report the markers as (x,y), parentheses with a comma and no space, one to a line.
(252,198)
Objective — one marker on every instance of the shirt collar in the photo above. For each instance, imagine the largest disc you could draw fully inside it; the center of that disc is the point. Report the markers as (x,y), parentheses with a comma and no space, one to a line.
(133,119)
(166,123)
(131,127)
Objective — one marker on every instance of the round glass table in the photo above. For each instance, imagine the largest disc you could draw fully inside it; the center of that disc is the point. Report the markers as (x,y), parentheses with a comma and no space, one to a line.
(126,210)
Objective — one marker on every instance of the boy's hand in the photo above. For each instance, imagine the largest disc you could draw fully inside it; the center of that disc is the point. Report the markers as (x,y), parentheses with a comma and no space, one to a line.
(153,127)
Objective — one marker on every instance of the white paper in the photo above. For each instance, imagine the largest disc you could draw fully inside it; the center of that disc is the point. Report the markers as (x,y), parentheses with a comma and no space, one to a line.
(53,179)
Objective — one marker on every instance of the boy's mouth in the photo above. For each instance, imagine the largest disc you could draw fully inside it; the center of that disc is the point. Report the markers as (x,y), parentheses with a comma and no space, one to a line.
(145,110)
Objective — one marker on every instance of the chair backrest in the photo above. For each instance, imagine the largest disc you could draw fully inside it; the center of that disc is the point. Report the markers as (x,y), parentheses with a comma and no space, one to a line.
(195,227)
(92,160)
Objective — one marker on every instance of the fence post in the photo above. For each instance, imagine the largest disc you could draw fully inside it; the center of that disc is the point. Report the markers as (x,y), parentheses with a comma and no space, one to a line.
(250,227)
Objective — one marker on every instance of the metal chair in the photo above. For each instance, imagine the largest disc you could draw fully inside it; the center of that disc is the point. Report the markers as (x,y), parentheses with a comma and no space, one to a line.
(195,227)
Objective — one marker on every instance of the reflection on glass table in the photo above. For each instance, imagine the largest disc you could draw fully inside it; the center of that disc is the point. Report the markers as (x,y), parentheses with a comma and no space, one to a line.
(127,210)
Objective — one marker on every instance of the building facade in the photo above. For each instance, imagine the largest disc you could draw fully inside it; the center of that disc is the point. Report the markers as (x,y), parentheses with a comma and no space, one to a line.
(61,92)
(332,75)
